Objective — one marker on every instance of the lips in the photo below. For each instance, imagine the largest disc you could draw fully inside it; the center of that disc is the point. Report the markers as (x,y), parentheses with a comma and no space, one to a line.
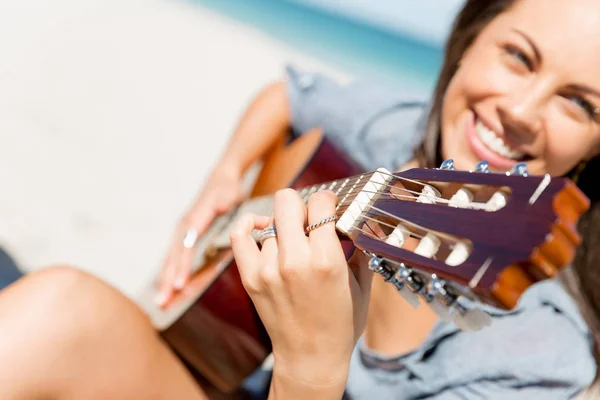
(495,142)
(487,145)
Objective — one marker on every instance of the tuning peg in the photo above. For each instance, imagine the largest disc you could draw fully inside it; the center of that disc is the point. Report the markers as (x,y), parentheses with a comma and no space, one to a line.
(442,311)
(399,279)
(482,166)
(519,169)
(448,164)
(470,320)
(407,286)
(438,298)
(437,288)
(377,264)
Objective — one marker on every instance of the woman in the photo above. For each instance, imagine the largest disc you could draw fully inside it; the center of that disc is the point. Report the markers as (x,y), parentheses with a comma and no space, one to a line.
(524,72)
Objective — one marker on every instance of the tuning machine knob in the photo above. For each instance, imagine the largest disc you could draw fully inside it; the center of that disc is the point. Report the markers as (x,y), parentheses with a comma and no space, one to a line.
(437,288)
(408,286)
(519,169)
(470,319)
(402,279)
(448,164)
(482,167)
(378,265)
(438,298)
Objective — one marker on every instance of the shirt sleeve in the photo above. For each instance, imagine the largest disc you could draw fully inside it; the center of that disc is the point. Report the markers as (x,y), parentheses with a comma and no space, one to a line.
(378,125)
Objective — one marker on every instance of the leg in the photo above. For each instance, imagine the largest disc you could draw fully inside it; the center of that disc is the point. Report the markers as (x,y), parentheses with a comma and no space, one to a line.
(67,335)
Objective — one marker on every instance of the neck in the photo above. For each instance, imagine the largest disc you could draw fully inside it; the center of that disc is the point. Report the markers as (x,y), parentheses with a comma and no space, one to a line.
(345,189)
(394,327)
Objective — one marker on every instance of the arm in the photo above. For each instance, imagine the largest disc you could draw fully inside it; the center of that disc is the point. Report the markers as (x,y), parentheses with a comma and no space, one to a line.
(265,120)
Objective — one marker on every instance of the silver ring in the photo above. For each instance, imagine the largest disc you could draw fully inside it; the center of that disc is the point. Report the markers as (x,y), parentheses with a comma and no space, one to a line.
(268,232)
(190,238)
(322,222)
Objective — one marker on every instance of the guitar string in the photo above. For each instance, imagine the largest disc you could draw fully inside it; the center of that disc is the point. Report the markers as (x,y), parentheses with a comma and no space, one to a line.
(350,181)
(440,200)
(394,217)
(377,238)
(358,190)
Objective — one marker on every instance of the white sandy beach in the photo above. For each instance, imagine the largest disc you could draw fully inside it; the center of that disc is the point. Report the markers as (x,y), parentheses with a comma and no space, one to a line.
(112,113)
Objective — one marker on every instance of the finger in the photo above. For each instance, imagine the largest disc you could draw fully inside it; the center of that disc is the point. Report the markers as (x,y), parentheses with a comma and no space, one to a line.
(170,268)
(245,249)
(269,246)
(290,215)
(165,288)
(321,205)
(185,260)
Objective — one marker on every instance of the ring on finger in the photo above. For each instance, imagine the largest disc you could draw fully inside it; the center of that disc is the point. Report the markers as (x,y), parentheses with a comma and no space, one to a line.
(268,232)
(320,223)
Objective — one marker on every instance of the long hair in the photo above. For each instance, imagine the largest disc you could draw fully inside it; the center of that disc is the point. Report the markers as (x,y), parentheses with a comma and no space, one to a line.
(582,278)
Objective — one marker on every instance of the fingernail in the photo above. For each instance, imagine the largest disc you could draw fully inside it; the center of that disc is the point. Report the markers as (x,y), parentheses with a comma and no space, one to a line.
(179,283)
(160,298)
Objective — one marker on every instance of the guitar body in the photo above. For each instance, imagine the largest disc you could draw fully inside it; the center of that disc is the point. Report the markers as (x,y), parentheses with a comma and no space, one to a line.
(212,325)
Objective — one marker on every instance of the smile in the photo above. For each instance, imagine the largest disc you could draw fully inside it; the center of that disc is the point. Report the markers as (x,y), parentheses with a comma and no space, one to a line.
(495,143)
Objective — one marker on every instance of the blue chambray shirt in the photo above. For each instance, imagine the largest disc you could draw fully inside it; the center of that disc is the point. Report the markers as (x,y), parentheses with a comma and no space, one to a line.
(540,350)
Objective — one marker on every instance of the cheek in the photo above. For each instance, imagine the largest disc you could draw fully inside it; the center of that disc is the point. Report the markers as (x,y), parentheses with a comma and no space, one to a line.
(567,142)
(565,151)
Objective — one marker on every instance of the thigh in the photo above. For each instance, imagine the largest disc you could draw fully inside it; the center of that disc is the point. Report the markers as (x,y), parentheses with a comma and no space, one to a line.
(66,334)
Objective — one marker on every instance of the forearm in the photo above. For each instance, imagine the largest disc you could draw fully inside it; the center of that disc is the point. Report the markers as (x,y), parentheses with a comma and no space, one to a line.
(266,119)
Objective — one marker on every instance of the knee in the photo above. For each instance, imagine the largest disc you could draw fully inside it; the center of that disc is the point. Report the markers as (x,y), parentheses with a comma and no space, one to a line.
(68,301)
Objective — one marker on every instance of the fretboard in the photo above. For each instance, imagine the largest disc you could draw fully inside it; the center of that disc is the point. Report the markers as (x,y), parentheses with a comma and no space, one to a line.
(345,189)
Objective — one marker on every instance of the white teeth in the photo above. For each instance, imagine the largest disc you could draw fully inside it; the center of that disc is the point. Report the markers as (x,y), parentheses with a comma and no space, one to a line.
(495,143)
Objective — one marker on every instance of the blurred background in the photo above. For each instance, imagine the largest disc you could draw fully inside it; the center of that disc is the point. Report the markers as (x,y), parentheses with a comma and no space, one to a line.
(112,112)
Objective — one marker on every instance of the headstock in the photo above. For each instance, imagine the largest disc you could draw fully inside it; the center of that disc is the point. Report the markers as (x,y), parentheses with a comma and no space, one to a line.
(444,235)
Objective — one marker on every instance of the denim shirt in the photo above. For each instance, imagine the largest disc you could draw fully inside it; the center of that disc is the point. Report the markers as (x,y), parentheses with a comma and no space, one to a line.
(540,350)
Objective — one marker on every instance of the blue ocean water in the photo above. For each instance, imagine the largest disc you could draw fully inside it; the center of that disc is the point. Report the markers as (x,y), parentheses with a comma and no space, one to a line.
(361,49)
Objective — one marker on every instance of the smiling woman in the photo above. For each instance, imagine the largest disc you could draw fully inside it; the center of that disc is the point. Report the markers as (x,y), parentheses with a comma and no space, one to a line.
(522,92)
(517,85)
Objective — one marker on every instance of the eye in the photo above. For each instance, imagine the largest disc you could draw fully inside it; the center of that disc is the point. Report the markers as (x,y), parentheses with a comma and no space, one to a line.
(585,105)
(520,56)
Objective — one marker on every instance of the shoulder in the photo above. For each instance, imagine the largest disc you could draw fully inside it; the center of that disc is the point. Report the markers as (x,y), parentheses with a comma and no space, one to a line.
(370,119)
(542,349)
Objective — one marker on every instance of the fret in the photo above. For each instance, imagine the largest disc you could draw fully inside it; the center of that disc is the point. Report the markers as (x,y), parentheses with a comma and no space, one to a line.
(303,192)
(337,192)
(311,191)
(349,191)
(332,186)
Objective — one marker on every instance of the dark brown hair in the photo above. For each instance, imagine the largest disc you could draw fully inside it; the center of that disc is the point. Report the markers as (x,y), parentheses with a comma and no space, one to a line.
(582,278)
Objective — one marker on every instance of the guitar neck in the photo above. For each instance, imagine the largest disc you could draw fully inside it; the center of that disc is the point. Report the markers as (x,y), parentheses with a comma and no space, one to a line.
(345,189)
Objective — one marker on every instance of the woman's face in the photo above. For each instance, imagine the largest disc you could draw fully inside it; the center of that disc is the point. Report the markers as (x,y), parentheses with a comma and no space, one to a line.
(528,89)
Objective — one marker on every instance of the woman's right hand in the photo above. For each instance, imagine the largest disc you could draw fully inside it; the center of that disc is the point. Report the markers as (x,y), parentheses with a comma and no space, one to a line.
(222,191)
(312,302)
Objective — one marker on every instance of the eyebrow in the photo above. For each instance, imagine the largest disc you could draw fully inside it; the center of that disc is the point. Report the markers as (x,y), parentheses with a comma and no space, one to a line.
(585,89)
(538,58)
(536,51)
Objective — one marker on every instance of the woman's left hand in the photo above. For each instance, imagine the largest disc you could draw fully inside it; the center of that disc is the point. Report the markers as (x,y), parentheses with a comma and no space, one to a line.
(312,302)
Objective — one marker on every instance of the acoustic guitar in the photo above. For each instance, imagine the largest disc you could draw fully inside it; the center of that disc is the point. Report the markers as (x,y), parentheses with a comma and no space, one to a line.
(446,238)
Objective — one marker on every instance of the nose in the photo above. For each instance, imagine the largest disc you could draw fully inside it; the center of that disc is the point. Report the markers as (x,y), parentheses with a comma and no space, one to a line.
(521,111)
